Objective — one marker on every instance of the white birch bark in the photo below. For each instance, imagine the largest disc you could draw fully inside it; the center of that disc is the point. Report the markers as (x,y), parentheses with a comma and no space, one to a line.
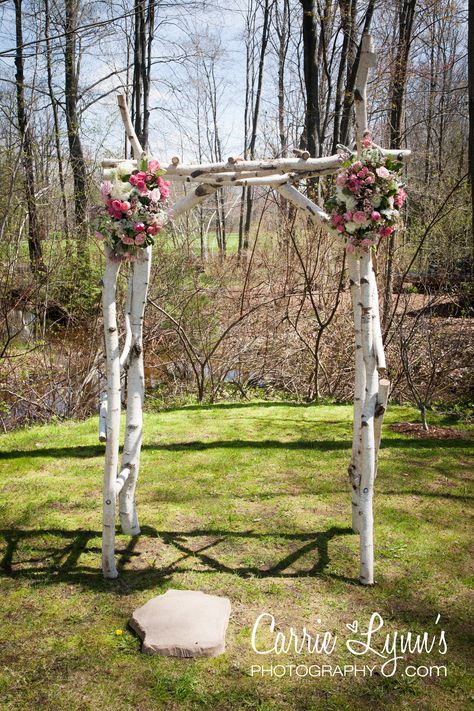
(317,214)
(135,397)
(138,151)
(367,60)
(192,199)
(366,488)
(103,417)
(113,417)
(354,468)
(380,409)
(128,330)
(378,342)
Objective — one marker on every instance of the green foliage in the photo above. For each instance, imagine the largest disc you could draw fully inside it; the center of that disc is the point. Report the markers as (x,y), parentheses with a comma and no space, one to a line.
(75,287)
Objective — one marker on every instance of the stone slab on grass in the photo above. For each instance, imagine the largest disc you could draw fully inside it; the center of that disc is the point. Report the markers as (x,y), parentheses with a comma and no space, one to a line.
(183,623)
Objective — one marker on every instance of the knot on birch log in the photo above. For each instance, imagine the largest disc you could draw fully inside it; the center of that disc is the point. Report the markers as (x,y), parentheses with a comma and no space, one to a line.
(354,476)
(203,190)
(379,410)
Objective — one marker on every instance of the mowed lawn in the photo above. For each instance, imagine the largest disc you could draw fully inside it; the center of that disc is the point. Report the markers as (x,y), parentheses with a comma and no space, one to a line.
(252,502)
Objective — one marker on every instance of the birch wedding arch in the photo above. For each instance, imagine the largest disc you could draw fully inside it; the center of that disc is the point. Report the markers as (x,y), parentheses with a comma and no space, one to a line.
(364,209)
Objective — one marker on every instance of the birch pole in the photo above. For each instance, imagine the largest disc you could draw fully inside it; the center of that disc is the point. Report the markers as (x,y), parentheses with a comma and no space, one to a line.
(367,470)
(359,389)
(123,484)
(113,416)
(135,396)
(369,359)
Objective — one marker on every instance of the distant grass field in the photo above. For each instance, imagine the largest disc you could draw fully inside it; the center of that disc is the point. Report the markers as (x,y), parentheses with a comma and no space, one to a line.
(249,501)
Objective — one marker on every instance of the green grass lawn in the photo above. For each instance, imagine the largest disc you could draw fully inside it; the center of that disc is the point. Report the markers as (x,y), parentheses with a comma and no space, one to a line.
(249,501)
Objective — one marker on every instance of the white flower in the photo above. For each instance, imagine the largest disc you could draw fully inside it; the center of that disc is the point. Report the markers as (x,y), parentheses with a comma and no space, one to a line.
(120,190)
(350,202)
(351,227)
(110,174)
(124,168)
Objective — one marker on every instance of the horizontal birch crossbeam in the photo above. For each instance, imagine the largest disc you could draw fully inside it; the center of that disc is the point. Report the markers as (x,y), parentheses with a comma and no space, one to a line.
(234,170)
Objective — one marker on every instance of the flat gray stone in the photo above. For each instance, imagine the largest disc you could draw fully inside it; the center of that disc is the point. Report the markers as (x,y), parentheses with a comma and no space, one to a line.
(183,623)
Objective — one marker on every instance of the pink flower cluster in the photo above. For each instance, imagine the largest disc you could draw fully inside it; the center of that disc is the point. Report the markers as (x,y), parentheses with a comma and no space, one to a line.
(131,222)
(368,198)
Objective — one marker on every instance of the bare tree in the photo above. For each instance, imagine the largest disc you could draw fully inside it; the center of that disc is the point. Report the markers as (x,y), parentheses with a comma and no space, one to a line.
(35,229)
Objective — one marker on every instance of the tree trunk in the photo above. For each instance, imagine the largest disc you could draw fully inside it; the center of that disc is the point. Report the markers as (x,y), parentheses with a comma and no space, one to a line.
(35,229)
(470,64)
(54,106)
(406,14)
(310,139)
(255,116)
(78,164)
(424,421)
(353,60)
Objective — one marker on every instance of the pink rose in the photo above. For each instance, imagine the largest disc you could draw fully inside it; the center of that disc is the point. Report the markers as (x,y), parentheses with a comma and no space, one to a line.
(347,216)
(386,231)
(375,216)
(356,165)
(367,141)
(164,188)
(153,165)
(127,240)
(140,238)
(340,228)
(125,206)
(383,172)
(359,217)
(155,195)
(139,226)
(153,229)
(370,180)
(400,198)
(366,242)
(114,211)
(336,219)
(341,180)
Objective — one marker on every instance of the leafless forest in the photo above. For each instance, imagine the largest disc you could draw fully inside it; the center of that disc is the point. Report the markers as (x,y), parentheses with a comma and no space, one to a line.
(247,299)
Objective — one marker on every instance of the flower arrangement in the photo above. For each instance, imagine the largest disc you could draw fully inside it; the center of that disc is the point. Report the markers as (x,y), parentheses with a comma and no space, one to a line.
(368,198)
(134,209)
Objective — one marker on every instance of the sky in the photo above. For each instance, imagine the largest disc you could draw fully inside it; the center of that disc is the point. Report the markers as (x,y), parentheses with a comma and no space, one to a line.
(171,97)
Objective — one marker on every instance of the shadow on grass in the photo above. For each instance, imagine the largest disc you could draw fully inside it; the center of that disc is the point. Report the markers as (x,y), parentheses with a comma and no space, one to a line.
(238,405)
(28,554)
(322,445)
